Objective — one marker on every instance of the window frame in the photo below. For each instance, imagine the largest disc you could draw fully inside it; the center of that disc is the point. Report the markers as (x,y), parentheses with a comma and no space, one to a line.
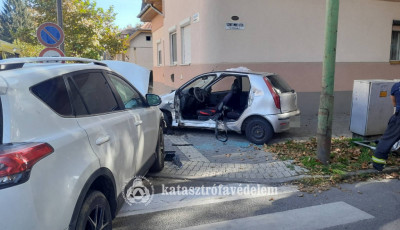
(159,53)
(68,92)
(116,97)
(183,43)
(145,104)
(395,23)
(173,48)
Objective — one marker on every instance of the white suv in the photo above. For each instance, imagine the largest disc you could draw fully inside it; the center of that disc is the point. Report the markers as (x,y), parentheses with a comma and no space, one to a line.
(72,135)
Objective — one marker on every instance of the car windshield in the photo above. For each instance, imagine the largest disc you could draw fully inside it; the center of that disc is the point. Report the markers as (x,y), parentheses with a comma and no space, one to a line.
(202,82)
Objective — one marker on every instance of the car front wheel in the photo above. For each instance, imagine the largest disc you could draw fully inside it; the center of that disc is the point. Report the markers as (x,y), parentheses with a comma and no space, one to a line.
(95,213)
(258,130)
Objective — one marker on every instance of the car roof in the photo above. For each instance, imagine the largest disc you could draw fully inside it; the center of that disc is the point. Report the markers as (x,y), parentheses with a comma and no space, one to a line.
(242,72)
(34,73)
(25,72)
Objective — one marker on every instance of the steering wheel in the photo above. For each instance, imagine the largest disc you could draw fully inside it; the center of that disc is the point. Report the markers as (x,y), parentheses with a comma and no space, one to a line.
(199,94)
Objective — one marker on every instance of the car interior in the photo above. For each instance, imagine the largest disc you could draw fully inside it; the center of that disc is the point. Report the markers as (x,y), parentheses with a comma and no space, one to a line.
(203,101)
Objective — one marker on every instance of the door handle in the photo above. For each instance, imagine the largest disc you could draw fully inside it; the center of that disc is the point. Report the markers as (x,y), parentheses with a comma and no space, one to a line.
(102,140)
(137,123)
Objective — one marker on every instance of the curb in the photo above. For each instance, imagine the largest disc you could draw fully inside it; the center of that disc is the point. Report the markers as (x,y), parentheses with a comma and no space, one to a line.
(232,180)
(272,181)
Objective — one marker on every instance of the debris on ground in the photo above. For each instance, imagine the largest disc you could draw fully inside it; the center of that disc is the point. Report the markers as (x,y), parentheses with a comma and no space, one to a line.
(345,157)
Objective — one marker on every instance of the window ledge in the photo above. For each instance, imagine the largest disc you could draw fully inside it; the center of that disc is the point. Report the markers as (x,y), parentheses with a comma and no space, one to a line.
(394,62)
(188,64)
(173,65)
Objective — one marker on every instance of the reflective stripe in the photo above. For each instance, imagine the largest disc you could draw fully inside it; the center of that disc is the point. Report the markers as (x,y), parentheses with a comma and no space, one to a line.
(377,160)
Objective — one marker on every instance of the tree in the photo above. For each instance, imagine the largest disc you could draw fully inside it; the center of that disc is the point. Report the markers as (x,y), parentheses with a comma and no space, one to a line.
(16,21)
(89,31)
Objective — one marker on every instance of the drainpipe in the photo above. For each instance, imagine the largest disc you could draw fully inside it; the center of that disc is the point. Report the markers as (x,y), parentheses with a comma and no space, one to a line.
(325,112)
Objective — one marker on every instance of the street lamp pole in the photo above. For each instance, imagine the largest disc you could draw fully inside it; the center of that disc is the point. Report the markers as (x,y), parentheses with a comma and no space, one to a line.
(325,112)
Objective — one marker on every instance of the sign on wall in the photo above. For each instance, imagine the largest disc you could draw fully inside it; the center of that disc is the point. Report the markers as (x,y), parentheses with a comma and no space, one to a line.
(234,26)
(196,17)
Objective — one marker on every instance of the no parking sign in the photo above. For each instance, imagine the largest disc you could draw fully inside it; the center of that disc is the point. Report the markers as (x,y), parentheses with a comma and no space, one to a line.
(50,34)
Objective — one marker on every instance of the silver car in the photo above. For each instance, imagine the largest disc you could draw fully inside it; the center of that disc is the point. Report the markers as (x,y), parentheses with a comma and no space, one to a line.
(257,104)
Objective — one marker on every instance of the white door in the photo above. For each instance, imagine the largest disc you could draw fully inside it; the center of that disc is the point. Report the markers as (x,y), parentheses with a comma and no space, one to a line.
(110,128)
(144,119)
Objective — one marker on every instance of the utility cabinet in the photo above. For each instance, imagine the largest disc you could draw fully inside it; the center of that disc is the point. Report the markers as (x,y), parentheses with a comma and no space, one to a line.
(371,106)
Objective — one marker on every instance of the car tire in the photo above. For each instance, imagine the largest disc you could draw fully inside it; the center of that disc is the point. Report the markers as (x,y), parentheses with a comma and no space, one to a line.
(167,120)
(95,210)
(258,130)
(160,153)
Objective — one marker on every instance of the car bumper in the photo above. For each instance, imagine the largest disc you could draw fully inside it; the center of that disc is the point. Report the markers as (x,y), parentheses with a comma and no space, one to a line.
(281,122)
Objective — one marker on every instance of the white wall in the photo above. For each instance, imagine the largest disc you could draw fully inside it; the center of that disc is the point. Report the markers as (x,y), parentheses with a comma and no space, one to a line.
(141,51)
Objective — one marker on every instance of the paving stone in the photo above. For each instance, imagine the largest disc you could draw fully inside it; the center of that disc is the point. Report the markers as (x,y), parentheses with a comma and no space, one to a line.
(286,173)
(279,174)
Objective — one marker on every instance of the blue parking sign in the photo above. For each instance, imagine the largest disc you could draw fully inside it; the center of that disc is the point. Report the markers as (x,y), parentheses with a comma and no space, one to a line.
(50,34)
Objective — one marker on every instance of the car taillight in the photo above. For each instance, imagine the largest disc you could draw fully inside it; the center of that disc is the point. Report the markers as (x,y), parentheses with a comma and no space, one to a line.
(276,97)
(17,160)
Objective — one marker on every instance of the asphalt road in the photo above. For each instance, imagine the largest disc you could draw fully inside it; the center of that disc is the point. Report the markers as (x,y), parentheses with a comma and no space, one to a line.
(364,205)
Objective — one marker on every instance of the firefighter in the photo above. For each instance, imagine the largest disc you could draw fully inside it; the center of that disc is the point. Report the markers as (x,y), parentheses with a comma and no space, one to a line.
(392,132)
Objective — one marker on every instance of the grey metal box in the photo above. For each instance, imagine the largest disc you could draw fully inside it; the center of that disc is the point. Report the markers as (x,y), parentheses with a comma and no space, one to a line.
(371,106)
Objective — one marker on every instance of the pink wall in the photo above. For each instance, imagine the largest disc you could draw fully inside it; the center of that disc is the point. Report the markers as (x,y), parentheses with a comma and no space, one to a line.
(303,77)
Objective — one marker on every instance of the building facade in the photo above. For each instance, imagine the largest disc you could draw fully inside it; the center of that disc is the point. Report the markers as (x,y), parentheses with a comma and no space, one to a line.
(280,36)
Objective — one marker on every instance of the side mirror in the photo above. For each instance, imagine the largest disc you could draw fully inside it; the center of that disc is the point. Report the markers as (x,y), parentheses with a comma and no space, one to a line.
(153,99)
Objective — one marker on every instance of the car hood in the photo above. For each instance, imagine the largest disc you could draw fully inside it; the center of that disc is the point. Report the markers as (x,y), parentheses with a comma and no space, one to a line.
(137,75)
(167,99)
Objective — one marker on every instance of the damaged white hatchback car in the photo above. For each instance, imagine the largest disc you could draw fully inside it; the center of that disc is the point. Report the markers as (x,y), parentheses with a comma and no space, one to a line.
(257,104)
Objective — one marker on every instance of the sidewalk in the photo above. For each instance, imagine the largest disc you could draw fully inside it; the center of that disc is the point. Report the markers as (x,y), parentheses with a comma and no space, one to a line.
(237,160)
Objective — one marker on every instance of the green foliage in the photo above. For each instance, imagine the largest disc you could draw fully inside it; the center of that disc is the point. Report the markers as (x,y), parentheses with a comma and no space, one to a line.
(15,22)
(89,30)
(28,49)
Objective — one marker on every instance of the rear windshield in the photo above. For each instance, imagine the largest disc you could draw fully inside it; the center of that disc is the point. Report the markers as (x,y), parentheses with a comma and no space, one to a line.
(279,84)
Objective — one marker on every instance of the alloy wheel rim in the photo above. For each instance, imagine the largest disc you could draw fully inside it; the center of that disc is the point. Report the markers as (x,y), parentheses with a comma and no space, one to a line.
(97,219)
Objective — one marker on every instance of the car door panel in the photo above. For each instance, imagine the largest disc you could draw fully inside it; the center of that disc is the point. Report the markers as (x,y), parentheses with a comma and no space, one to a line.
(111,138)
(143,118)
(111,131)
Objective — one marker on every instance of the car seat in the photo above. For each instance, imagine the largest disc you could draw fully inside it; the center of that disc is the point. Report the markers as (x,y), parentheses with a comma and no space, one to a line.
(205,114)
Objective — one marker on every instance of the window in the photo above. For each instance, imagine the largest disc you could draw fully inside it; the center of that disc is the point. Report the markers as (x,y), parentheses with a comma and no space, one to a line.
(225,84)
(186,45)
(201,82)
(77,101)
(129,96)
(92,92)
(395,47)
(148,38)
(159,53)
(245,84)
(174,58)
(54,93)
(279,84)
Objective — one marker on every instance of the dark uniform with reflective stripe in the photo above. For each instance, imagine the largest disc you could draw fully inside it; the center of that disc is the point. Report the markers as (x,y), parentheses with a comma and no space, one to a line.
(391,135)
